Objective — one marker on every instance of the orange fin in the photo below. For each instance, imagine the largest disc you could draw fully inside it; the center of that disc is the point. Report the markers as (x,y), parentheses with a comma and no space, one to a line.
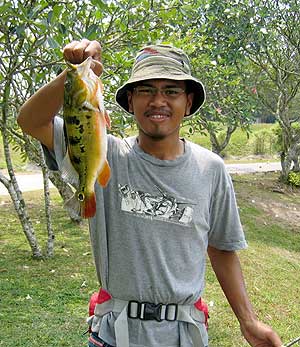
(88,206)
(104,175)
(107,119)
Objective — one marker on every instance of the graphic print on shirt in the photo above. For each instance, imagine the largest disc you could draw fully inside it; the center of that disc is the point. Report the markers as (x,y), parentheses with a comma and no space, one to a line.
(161,206)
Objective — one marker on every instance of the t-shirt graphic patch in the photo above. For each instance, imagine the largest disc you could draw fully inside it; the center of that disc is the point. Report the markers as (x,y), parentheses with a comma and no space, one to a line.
(161,206)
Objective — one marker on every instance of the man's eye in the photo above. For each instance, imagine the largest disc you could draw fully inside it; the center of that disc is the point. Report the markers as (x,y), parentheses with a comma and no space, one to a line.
(146,90)
(171,91)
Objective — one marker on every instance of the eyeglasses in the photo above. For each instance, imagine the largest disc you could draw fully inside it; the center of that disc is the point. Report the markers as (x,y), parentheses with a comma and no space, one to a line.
(167,92)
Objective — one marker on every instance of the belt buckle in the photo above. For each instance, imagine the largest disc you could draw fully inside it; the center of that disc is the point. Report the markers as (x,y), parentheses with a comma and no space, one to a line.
(151,311)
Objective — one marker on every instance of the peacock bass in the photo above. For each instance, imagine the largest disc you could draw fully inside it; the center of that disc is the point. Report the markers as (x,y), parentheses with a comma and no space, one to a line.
(85,122)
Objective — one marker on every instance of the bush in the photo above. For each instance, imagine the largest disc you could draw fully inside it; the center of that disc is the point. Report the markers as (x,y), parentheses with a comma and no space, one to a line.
(264,142)
(294,178)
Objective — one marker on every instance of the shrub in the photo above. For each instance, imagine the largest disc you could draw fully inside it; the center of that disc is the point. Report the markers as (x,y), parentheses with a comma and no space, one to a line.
(264,142)
(294,178)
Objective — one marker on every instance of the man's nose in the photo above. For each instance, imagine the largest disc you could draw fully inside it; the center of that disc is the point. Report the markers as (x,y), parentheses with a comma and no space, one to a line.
(158,99)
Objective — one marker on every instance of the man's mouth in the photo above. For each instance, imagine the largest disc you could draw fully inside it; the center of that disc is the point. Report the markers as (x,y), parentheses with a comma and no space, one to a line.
(157,115)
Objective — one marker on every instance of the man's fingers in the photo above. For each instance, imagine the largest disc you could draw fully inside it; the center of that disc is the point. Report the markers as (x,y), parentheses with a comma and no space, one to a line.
(94,50)
(97,67)
(77,51)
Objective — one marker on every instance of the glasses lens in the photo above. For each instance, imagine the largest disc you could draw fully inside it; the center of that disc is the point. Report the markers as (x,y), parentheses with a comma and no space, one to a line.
(145,90)
(168,92)
(172,92)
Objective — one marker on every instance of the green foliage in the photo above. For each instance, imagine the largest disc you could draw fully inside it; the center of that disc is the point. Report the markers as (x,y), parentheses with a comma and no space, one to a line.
(294,179)
(264,142)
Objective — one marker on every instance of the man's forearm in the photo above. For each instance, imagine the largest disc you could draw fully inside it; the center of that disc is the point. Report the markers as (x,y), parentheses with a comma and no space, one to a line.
(227,268)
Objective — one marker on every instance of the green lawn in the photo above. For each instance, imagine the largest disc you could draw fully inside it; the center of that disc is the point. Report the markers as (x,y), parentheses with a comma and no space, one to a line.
(46,302)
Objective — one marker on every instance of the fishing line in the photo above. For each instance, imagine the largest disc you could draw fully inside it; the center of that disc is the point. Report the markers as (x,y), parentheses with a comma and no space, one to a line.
(292,342)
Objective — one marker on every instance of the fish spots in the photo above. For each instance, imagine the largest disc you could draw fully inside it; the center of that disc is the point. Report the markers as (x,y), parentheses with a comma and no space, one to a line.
(81,128)
(72,120)
(74,140)
(76,160)
(82,149)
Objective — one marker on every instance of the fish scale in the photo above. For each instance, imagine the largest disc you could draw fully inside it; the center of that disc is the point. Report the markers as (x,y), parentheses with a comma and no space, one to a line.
(85,122)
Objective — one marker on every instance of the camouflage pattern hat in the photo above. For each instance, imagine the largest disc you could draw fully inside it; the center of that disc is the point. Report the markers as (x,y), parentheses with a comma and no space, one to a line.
(162,62)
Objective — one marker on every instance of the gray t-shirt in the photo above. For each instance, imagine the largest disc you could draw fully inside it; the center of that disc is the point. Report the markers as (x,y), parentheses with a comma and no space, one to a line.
(153,224)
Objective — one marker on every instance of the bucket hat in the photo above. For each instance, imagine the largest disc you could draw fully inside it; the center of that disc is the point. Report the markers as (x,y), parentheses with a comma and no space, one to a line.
(162,62)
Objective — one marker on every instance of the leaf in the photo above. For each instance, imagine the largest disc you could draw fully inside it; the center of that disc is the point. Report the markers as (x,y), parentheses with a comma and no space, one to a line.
(91,32)
(52,43)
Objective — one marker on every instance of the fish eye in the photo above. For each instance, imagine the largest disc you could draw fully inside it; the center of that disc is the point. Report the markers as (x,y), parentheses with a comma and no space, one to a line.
(80,197)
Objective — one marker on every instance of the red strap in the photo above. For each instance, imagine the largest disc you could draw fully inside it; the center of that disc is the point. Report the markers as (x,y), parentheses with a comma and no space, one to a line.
(103,296)
(202,306)
(98,298)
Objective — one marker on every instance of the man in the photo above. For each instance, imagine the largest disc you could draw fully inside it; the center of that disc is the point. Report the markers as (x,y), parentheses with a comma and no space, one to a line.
(168,202)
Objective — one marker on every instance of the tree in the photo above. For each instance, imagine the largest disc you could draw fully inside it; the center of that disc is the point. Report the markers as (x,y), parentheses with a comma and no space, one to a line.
(222,68)
(271,43)
(32,35)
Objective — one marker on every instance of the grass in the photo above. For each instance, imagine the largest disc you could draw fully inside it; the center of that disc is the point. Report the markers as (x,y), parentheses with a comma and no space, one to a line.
(46,302)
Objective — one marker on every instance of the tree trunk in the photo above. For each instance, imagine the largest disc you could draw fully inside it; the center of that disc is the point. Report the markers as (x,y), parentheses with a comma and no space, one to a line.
(19,203)
(291,152)
(218,145)
(51,236)
(290,161)
(12,184)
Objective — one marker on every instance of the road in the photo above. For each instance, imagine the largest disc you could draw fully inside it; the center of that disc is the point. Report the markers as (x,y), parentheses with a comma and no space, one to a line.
(29,182)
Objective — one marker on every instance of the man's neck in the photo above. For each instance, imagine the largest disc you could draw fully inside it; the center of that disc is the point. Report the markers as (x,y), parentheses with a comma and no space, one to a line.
(163,149)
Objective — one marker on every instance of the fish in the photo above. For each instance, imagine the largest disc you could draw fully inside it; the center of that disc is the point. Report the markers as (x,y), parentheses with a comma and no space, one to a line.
(85,124)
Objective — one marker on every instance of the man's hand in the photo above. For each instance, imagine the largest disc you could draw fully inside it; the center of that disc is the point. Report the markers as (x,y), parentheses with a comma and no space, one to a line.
(77,51)
(260,335)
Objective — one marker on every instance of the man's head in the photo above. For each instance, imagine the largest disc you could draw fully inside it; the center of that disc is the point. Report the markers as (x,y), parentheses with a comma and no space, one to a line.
(162,62)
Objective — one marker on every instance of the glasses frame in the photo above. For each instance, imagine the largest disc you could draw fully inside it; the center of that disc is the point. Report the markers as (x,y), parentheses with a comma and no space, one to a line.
(166,92)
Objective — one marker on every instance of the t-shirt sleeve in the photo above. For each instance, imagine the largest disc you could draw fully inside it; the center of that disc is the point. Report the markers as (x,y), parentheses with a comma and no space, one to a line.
(226,232)
(55,158)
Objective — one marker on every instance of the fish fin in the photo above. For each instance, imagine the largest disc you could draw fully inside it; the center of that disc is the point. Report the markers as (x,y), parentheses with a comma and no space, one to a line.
(88,208)
(104,175)
(107,119)
(68,171)
(73,204)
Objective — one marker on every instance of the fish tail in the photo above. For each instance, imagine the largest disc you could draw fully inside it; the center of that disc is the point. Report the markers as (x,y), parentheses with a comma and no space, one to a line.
(104,175)
(88,206)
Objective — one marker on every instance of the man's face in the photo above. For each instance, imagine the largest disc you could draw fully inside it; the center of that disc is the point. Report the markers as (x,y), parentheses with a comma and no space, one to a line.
(159,106)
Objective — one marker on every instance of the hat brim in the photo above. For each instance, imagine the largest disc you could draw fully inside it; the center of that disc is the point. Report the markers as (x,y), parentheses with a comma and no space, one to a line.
(193,86)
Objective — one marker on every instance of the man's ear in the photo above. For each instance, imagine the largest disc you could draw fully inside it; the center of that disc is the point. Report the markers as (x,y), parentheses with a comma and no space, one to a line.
(189,103)
(129,98)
